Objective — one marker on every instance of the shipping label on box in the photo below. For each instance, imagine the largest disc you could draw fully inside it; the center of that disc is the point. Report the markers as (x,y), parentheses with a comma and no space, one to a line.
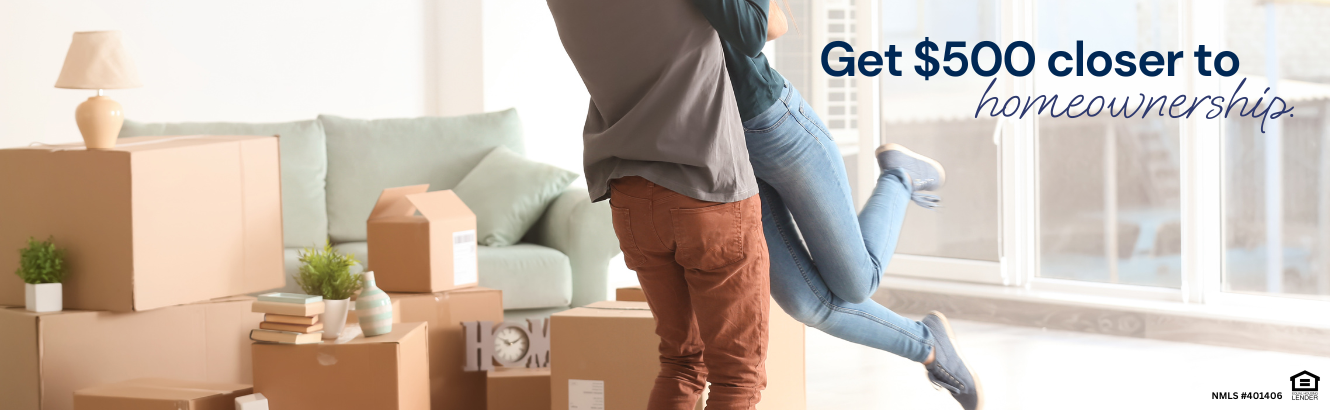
(48,356)
(586,394)
(431,252)
(154,222)
(465,258)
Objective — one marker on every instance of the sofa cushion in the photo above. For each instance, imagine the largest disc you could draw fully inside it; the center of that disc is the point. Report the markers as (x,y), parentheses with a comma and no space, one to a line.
(304,166)
(508,193)
(530,276)
(366,156)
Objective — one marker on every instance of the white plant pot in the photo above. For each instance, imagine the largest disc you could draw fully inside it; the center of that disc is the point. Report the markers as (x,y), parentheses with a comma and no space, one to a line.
(334,317)
(44,297)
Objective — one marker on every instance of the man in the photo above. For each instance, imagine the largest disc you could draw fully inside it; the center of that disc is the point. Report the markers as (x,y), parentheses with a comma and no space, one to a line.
(664,143)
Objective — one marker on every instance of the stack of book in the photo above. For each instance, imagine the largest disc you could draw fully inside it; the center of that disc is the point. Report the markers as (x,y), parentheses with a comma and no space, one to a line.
(289,318)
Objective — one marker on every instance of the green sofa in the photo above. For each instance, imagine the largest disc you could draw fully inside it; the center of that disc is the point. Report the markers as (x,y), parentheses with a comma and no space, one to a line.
(334,168)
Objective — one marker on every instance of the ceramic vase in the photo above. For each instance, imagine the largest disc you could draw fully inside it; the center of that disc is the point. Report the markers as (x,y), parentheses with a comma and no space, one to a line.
(374,308)
(334,317)
(44,297)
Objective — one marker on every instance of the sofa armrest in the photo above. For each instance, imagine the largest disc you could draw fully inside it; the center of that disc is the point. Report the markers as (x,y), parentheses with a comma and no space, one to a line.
(585,232)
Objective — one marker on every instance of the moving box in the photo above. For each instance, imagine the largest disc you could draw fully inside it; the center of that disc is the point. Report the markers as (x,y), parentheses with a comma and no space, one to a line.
(385,372)
(154,222)
(164,394)
(450,387)
(628,326)
(430,252)
(47,356)
(518,389)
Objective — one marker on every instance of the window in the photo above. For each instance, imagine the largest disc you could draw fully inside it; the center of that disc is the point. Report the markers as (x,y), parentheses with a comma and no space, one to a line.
(1189,210)
(932,116)
(1109,199)
(1277,182)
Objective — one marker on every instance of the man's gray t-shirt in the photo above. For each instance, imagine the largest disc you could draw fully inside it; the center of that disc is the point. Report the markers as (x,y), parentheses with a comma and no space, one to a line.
(661,103)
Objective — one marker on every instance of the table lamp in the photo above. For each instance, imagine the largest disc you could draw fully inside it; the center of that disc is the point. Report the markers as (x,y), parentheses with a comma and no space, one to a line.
(97,61)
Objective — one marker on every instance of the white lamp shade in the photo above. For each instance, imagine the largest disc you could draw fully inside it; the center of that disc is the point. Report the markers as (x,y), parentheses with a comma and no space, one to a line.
(98,60)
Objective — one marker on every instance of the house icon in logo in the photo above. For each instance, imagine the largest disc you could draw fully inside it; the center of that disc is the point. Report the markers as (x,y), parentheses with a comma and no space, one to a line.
(1305,381)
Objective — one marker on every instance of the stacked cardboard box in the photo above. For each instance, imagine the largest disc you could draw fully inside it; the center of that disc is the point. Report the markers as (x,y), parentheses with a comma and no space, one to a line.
(517,389)
(170,394)
(155,222)
(385,372)
(451,388)
(48,356)
(607,352)
(428,263)
(290,318)
(156,230)
(431,252)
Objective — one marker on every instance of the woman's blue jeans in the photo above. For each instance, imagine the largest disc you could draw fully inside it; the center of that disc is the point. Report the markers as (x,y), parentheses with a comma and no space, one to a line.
(826,261)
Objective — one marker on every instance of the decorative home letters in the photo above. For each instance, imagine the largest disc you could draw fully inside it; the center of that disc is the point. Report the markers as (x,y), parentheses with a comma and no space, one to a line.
(480,344)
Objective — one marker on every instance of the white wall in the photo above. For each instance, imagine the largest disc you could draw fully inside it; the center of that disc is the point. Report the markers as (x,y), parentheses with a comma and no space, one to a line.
(527,68)
(237,60)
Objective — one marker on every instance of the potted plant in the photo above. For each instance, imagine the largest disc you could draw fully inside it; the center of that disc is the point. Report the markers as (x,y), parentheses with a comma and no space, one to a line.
(327,272)
(42,267)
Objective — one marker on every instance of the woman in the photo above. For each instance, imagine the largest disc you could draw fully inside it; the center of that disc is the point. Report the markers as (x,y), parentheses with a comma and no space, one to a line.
(826,277)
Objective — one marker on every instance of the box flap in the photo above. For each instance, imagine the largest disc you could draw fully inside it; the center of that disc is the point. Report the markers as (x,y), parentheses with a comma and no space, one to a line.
(439,204)
(609,309)
(518,372)
(400,331)
(392,202)
(163,389)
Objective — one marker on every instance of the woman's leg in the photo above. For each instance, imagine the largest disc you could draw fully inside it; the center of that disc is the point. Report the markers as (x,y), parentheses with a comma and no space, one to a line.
(799,289)
(791,150)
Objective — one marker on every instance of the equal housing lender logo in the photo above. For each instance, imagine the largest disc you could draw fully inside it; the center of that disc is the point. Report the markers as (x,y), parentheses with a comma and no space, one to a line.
(1305,386)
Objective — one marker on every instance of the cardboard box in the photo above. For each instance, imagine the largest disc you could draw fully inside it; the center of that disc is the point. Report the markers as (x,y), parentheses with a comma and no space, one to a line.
(630,294)
(387,372)
(154,222)
(615,343)
(518,389)
(48,356)
(450,387)
(164,394)
(430,252)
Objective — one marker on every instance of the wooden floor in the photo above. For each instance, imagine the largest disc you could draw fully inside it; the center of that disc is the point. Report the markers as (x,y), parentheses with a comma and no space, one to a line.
(1031,368)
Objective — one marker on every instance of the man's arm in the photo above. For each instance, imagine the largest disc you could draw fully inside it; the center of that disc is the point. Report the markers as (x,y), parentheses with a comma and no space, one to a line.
(742,23)
(776,24)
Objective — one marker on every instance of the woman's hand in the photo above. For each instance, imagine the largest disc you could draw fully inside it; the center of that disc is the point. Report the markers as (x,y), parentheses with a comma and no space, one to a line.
(776,24)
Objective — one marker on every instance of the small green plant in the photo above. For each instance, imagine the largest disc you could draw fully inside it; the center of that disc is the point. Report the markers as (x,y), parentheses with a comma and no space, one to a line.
(327,272)
(41,262)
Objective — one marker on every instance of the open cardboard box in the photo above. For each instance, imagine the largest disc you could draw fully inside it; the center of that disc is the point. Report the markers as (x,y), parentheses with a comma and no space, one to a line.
(154,222)
(48,356)
(385,372)
(165,394)
(431,252)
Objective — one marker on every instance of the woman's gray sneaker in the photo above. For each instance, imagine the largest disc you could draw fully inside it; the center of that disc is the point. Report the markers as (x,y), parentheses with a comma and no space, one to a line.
(948,369)
(922,173)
